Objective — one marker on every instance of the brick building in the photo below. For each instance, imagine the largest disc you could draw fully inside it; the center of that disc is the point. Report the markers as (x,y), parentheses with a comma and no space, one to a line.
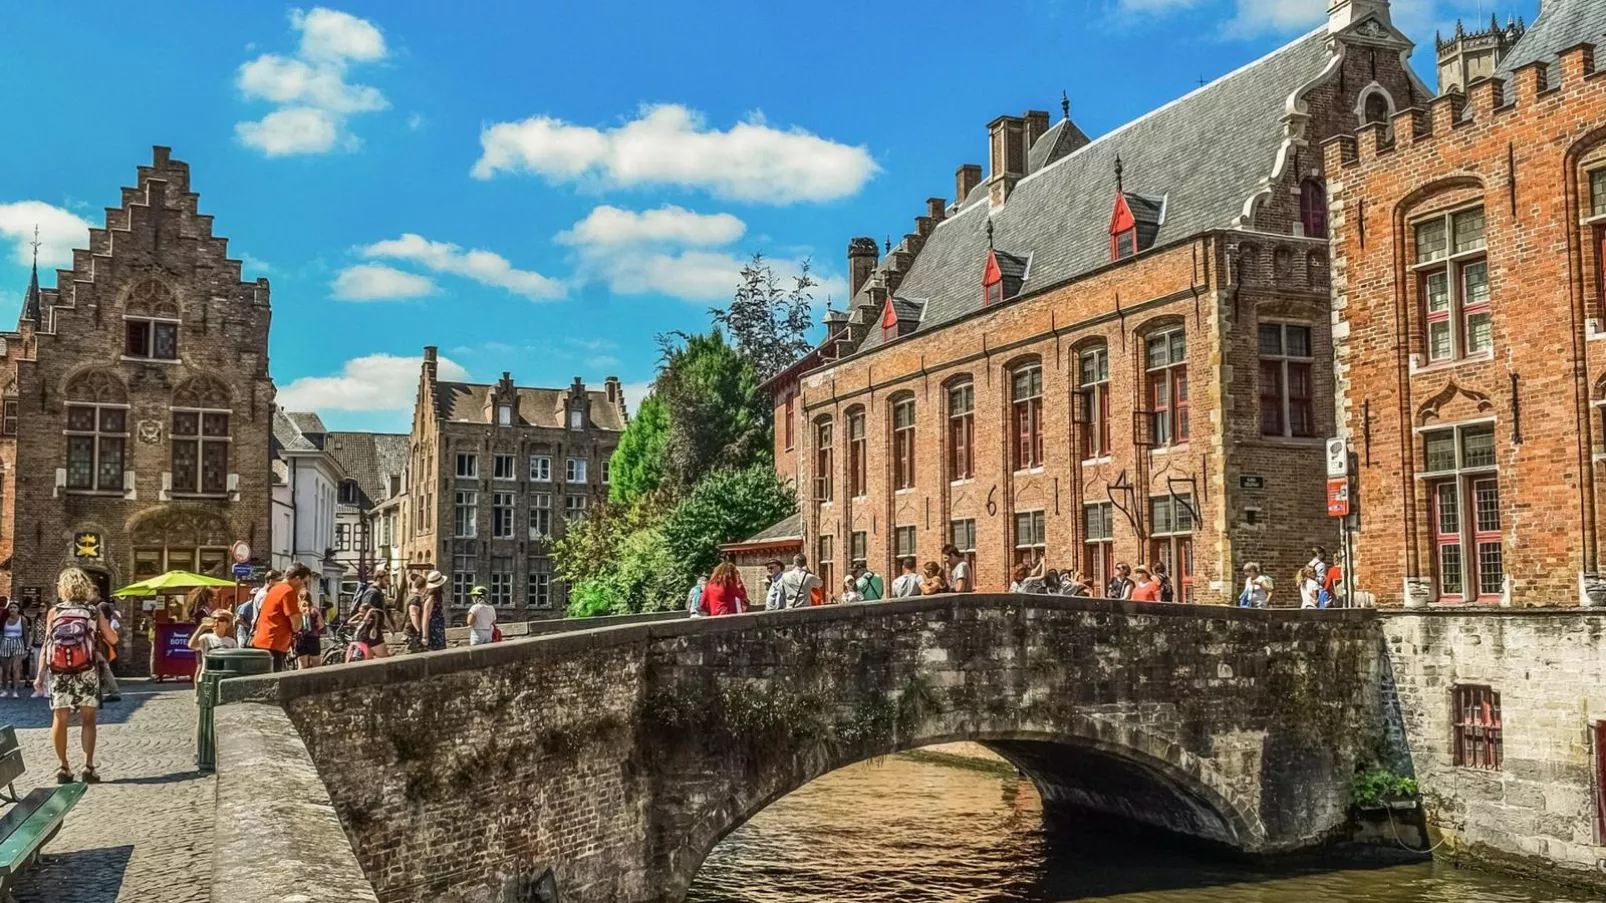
(375,470)
(1110,349)
(137,402)
(1468,246)
(496,471)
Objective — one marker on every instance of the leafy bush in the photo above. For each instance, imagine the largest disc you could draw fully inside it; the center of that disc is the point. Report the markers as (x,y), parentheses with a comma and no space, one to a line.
(726,505)
(1380,786)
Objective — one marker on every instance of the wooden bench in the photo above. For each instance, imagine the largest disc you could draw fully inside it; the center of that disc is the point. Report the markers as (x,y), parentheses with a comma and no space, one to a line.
(31,821)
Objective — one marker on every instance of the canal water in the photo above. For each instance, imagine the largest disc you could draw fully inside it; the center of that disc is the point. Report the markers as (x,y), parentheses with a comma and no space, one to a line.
(908,830)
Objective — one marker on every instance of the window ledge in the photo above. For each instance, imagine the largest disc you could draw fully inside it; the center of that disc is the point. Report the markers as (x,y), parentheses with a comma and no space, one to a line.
(131,359)
(1029,471)
(1101,459)
(1295,441)
(905,491)
(102,493)
(1168,449)
(965,482)
(1481,357)
(188,495)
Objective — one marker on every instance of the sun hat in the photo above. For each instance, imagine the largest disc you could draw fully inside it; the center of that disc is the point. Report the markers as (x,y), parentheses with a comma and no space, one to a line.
(434,580)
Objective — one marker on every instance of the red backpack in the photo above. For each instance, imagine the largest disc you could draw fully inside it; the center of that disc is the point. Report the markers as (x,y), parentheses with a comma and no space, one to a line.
(71,647)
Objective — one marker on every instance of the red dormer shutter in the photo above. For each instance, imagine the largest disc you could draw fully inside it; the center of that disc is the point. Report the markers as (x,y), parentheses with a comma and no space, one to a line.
(1123,230)
(889,321)
(992,281)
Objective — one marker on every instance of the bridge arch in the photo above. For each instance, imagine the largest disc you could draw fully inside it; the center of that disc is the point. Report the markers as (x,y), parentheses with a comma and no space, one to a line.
(1104,767)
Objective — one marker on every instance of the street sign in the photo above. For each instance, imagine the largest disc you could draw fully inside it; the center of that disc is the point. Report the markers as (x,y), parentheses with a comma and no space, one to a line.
(1251,481)
(240,552)
(1337,496)
(1337,458)
(242,571)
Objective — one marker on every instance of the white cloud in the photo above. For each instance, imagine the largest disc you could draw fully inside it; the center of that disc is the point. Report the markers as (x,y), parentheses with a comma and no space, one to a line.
(607,225)
(485,267)
(59,232)
(329,34)
(634,393)
(375,282)
(294,130)
(1259,17)
(602,362)
(415,121)
(377,382)
(248,262)
(671,144)
(311,89)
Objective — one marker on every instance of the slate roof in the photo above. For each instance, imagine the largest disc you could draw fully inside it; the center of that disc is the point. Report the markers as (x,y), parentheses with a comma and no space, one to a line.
(1561,24)
(784,529)
(1205,153)
(287,434)
(466,403)
(1062,138)
(370,459)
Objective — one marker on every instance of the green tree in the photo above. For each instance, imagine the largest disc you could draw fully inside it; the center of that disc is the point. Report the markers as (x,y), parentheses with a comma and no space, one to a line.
(637,467)
(727,505)
(717,417)
(769,324)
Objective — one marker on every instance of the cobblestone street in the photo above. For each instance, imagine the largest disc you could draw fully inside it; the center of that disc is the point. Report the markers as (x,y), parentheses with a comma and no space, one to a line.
(144,835)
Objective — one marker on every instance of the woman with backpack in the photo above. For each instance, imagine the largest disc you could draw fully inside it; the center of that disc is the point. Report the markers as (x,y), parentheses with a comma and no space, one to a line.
(73,629)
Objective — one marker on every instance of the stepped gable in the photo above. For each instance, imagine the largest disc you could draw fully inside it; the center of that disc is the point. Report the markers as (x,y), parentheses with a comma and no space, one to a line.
(1561,24)
(1204,154)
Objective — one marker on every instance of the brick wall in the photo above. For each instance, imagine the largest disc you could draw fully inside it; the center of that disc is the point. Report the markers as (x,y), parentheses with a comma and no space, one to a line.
(1525,159)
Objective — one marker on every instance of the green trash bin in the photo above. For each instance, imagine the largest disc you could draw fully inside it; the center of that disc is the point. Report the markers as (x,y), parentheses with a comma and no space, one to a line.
(221,665)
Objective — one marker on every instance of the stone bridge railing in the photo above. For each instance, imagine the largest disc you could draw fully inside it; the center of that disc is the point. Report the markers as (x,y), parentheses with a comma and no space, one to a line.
(607,763)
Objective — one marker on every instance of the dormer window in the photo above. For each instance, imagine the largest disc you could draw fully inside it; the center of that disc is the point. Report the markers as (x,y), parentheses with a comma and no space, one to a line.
(504,415)
(577,419)
(994,293)
(1124,244)
(1003,276)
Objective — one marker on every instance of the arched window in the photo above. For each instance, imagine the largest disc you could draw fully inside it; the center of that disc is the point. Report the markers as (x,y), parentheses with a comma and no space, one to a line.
(1377,109)
(1166,363)
(1452,275)
(200,440)
(1026,407)
(1093,400)
(97,432)
(151,321)
(823,459)
(858,472)
(961,431)
(1313,208)
(903,442)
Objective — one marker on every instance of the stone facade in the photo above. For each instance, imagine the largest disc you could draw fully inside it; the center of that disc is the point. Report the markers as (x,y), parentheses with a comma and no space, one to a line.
(138,402)
(494,474)
(636,749)
(1472,370)
(1537,808)
(1124,473)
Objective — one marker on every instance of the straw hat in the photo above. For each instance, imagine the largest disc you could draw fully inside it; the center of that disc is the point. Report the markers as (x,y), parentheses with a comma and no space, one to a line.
(434,580)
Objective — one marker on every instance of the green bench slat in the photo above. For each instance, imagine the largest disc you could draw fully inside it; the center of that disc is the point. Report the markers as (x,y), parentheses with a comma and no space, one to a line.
(8,740)
(11,767)
(30,824)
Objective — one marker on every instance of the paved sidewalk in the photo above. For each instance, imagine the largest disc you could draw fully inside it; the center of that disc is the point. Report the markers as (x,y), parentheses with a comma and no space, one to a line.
(144,835)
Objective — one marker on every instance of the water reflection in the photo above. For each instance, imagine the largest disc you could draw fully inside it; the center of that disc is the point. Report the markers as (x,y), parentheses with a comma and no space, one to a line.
(916,831)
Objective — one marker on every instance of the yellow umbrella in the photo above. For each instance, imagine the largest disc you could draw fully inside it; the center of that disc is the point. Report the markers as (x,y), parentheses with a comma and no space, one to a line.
(171,581)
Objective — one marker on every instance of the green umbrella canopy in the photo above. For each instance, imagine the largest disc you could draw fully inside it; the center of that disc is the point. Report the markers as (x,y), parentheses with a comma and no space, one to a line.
(171,581)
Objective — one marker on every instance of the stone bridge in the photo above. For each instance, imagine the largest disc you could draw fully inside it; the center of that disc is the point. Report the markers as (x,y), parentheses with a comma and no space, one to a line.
(606,764)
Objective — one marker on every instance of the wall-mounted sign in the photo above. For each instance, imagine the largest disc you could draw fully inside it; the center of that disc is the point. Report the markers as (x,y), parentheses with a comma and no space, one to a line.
(86,545)
(1337,458)
(1251,481)
(1338,496)
(30,596)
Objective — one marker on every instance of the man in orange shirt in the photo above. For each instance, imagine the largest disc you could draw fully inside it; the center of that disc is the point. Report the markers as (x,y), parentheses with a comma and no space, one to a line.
(281,613)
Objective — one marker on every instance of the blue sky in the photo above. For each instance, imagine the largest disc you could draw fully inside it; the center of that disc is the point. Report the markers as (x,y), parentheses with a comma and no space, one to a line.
(543,187)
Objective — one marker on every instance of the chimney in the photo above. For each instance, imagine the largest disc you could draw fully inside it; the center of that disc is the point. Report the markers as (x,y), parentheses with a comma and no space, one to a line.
(936,209)
(965,181)
(611,387)
(1341,14)
(429,362)
(1036,126)
(862,257)
(1007,151)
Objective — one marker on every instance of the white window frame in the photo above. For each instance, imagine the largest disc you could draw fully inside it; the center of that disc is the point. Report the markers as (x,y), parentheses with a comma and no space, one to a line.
(540,515)
(465,500)
(502,518)
(201,441)
(508,472)
(574,507)
(574,470)
(472,470)
(1283,359)
(540,468)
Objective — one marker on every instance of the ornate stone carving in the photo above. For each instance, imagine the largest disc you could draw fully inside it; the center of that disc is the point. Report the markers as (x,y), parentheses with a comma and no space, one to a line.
(149,431)
(151,298)
(1429,411)
(1418,591)
(179,527)
(203,391)
(100,386)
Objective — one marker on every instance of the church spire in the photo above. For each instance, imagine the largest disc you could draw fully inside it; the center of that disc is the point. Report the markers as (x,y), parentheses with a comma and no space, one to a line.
(30,301)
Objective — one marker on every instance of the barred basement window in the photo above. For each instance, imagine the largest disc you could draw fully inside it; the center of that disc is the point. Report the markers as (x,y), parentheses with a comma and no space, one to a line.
(1030,541)
(1098,542)
(1463,487)
(1477,727)
(1452,274)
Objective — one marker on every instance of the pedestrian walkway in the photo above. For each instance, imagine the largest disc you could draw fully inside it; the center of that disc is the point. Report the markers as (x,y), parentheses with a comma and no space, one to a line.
(144,835)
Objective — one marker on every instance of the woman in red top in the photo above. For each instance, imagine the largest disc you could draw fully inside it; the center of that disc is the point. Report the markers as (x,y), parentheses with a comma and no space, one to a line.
(725,594)
(1146,588)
